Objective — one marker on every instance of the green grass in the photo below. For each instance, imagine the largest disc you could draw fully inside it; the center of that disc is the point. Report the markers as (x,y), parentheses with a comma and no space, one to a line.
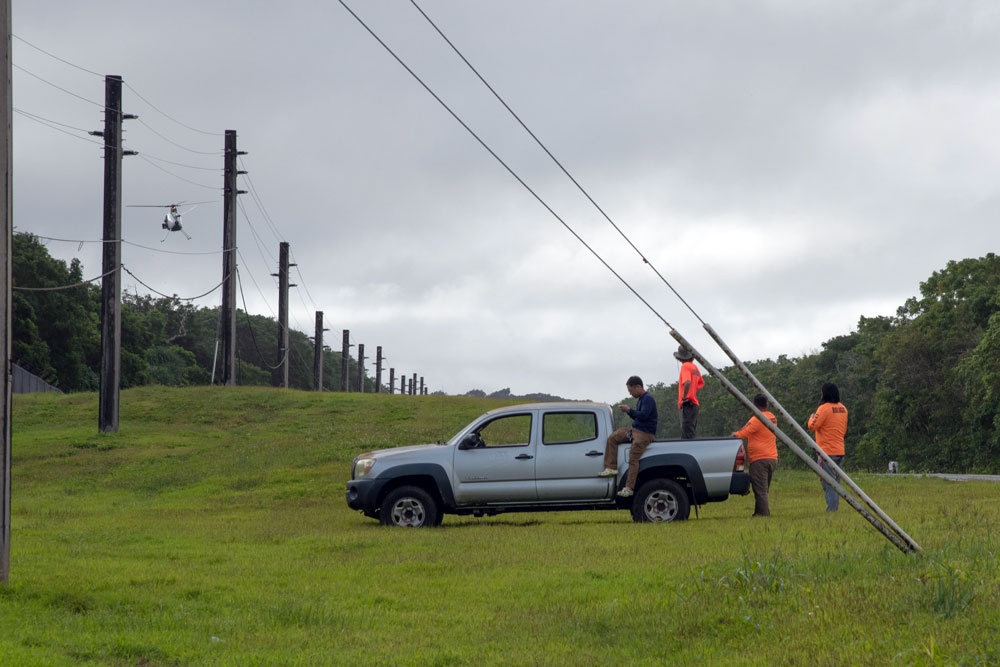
(212,530)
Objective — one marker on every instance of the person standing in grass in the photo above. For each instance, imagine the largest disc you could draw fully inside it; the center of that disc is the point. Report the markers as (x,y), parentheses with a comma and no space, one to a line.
(762,450)
(644,420)
(688,384)
(829,423)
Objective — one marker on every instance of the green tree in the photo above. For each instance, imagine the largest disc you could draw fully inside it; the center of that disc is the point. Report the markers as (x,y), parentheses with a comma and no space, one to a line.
(55,317)
(928,361)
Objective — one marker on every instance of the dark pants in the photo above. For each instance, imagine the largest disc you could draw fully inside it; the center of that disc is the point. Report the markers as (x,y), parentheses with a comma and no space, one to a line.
(689,419)
(761,472)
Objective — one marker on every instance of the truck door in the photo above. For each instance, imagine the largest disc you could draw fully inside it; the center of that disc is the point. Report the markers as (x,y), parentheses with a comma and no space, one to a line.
(569,457)
(501,468)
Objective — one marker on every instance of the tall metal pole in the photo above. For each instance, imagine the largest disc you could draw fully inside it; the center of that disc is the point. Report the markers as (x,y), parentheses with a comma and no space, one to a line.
(318,353)
(111,292)
(281,374)
(228,307)
(6,241)
(361,367)
(345,355)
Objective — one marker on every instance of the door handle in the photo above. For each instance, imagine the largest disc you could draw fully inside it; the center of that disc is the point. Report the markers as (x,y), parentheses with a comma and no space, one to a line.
(594,452)
(524,457)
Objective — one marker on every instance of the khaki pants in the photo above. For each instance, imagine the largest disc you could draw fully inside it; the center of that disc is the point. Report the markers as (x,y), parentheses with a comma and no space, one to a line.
(640,441)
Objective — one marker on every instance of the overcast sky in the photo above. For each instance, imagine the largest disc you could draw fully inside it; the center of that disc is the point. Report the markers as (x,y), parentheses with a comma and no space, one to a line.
(787,166)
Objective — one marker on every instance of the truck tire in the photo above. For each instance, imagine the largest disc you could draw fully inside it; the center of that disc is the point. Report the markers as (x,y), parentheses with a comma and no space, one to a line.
(660,500)
(410,507)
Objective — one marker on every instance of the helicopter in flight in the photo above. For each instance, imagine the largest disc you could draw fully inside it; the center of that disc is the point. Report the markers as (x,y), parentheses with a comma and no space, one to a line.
(172,219)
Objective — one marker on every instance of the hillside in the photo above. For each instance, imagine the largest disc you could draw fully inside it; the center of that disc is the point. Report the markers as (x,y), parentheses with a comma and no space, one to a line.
(212,530)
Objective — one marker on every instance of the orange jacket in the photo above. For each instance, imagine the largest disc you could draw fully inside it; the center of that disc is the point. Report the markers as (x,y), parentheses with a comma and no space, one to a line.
(829,422)
(761,442)
(689,373)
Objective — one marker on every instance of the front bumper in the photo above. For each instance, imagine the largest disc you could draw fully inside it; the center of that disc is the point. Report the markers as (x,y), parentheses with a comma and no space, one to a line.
(363,495)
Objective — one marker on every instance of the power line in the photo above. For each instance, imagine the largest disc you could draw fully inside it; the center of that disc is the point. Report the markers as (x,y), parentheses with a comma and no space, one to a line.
(554,159)
(181,178)
(38,48)
(169,296)
(171,141)
(173,252)
(179,164)
(169,117)
(260,204)
(504,164)
(135,245)
(52,125)
(68,92)
(136,92)
(63,287)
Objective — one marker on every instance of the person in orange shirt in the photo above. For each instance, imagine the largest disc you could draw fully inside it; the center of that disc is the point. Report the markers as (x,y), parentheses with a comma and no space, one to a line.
(687,391)
(829,423)
(762,450)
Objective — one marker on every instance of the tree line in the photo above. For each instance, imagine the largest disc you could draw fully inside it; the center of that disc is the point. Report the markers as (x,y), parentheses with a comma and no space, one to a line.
(164,340)
(922,386)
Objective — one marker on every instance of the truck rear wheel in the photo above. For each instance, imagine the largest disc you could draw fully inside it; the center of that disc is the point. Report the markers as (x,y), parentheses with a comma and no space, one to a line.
(660,500)
(409,507)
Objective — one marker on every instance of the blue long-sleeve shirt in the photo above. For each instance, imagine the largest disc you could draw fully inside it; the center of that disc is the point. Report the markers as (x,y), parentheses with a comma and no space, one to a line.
(644,415)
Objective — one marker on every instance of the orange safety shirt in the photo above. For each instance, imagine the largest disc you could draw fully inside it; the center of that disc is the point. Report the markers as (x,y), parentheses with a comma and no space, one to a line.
(689,373)
(829,422)
(761,441)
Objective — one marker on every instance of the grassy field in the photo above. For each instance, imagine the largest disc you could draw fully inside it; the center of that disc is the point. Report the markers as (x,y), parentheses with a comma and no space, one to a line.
(212,530)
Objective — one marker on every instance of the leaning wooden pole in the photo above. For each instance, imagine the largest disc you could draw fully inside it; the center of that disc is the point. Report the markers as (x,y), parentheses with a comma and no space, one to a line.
(746,402)
(806,438)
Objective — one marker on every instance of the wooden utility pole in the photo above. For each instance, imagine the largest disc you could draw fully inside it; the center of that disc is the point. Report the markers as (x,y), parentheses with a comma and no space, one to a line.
(281,374)
(392,380)
(413,385)
(111,286)
(345,355)
(378,369)
(318,352)
(228,308)
(6,241)
(361,367)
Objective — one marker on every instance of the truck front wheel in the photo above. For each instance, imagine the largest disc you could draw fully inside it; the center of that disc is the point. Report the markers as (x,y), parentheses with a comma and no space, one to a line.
(660,500)
(410,507)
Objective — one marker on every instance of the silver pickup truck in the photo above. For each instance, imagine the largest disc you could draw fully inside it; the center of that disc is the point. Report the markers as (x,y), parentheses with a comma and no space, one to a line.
(541,457)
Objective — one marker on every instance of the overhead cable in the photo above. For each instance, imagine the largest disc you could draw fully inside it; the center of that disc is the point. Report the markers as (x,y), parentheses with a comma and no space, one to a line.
(68,92)
(51,55)
(504,164)
(181,178)
(63,287)
(554,159)
(172,296)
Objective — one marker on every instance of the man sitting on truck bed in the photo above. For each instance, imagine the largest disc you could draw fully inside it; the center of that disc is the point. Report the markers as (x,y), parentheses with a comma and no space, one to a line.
(643,431)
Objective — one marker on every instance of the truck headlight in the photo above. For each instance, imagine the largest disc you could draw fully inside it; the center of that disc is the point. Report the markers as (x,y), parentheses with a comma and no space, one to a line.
(363,466)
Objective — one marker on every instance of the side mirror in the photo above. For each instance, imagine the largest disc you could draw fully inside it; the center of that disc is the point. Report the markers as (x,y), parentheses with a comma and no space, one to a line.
(469,441)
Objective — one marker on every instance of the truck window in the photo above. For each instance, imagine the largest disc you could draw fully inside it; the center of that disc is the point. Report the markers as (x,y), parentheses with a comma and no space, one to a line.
(563,428)
(510,431)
